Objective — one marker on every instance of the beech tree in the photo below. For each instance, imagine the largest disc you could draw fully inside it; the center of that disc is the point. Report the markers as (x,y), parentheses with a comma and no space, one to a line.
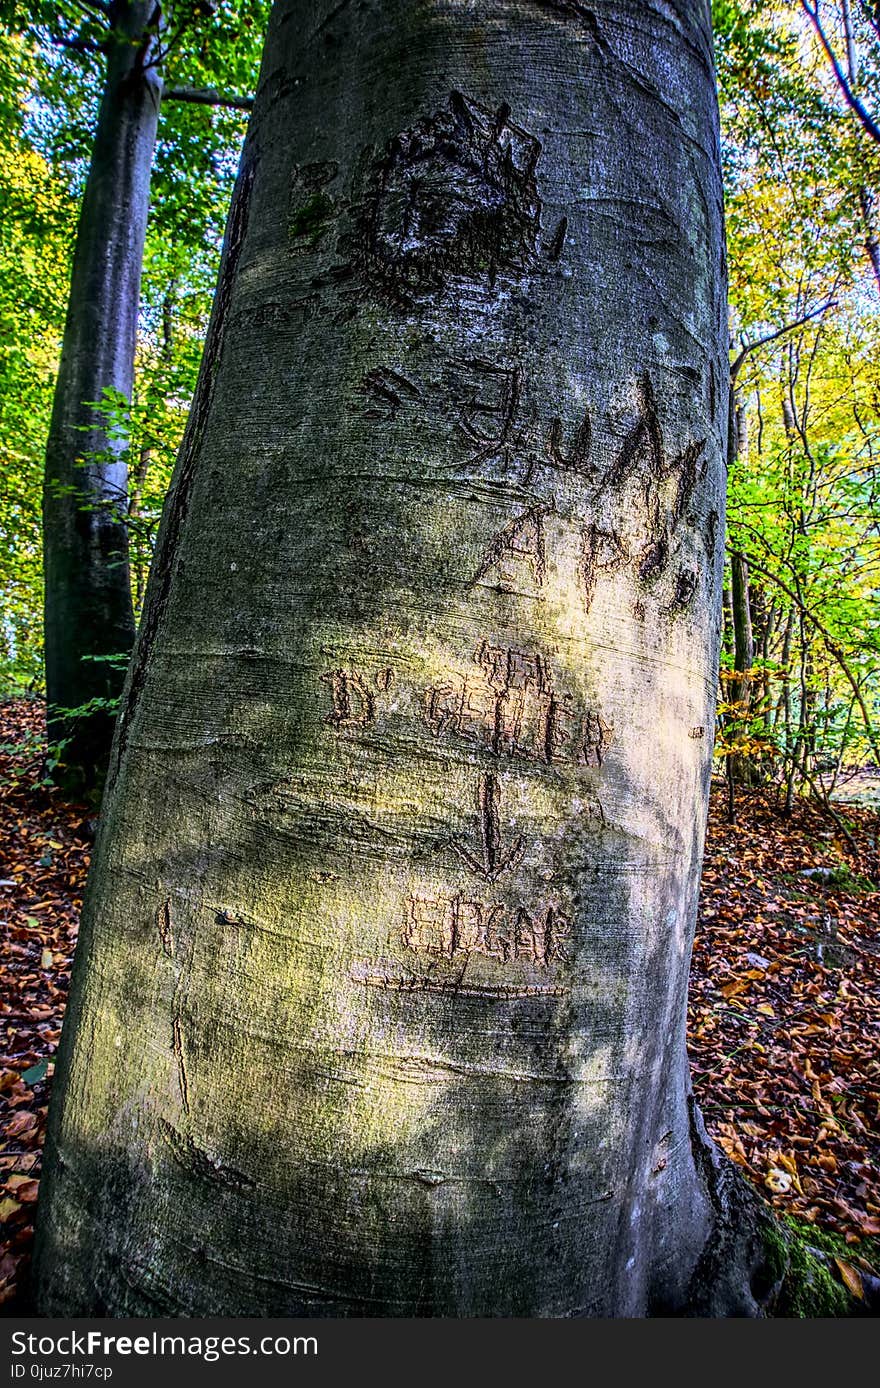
(380,997)
(88,618)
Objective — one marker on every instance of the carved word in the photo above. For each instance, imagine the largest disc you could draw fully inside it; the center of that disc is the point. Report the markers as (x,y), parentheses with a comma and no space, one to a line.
(639,500)
(642,482)
(459,925)
(511,707)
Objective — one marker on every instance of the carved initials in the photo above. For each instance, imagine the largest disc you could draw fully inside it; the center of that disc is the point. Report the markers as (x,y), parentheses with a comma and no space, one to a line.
(522,541)
(353,703)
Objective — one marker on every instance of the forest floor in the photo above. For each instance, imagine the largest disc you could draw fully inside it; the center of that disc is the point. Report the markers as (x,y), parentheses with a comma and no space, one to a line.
(784,1018)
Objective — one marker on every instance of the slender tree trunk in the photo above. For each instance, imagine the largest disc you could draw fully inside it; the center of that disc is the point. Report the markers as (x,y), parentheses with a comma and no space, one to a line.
(785,656)
(787,713)
(138,551)
(872,243)
(380,1001)
(88,611)
(743,658)
(767,636)
(727,622)
(140,547)
(743,641)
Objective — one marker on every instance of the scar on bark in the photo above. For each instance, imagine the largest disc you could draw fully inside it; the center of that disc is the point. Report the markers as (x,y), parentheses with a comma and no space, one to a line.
(452,195)
(386,391)
(646,435)
(685,591)
(177,1048)
(494,859)
(557,241)
(578,458)
(198,1162)
(353,703)
(165,927)
(575,10)
(645,442)
(501,992)
(685,468)
(654,559)
(602,551)
(711,534)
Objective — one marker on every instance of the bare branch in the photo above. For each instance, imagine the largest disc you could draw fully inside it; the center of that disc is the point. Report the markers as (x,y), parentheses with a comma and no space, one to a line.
(207,96)
(771,337)
(866,121)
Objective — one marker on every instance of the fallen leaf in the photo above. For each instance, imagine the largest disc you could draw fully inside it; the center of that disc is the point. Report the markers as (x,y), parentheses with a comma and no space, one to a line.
(851,1278)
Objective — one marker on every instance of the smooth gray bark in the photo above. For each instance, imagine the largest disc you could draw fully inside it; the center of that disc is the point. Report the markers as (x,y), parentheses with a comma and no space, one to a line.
(88,609)
(380,1000)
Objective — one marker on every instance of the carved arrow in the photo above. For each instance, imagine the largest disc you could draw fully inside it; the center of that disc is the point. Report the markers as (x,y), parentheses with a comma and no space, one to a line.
(492,860)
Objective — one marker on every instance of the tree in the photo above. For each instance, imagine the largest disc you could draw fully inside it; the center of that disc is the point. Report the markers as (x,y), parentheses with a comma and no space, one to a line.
(88,618)
(88,615)
(379,1003)
(47,120)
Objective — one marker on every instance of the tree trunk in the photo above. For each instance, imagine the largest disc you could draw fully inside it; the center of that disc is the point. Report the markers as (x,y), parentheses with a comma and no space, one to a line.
(767,637)
(88,610)
(380,999)
(743,640)
(743,656)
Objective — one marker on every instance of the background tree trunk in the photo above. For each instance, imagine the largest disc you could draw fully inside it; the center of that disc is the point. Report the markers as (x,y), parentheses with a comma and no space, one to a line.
(740,598)
(88,610)
(380,998)
(743,655)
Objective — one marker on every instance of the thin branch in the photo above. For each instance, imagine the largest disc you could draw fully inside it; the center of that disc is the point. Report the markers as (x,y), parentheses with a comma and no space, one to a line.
(832,647)
(771,337)
(91,7)
(163,48)
(849,96)
(207,96)
(823,800)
